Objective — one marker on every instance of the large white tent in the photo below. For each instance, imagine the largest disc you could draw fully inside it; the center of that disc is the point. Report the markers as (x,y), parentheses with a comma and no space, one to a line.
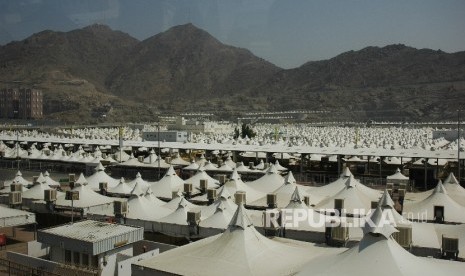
(14,217)
(168,184)
(425,209)
(101,176)
(378,254)
(269,182)
(240,250)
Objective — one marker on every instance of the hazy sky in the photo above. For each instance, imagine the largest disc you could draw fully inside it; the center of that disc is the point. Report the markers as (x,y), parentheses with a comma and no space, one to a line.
(285,32)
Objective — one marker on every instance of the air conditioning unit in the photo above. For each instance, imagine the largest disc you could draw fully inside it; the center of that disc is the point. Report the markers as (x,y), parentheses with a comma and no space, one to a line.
(71,177)
(15,198)
(307,200)
(211,194)
(104,155)
(389,185)
(50,195)
(72,195)
(103,186)
(271,200)
(174,194)
(251,165)
(240,197)
(222,178)
(193,218)
(140,159)
(203,185)
(168,160)
(450,246)
(16,187)
(403,237)
(120,207)
(340,234)
(401,192)
(188,187)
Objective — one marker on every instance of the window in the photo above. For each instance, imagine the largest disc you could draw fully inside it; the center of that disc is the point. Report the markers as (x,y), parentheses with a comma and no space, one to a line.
(76,258)
(67,256)
(94,261)
(85,259)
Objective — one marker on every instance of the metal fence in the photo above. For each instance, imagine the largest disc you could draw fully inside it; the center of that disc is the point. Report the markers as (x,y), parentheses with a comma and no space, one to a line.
(10,268)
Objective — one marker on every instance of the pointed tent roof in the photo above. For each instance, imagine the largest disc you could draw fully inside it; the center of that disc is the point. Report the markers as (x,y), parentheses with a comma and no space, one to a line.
(101,176)
(380,255)
(201,174)
(354,198)
(87,198)
(141,208)
(453,212)
(240,250)
(18,179)
(397,176)
(268,182)
(170,182)
(455,191)
(49,180)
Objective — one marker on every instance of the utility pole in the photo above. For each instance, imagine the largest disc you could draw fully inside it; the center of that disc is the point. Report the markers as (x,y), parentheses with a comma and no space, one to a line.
(159,150)
(458,144)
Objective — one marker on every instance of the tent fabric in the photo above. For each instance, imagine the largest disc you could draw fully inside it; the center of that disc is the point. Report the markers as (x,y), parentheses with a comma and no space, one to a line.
(453,212)
(397,176)
(14,217)
(268,182)
(170,182)
(240,250)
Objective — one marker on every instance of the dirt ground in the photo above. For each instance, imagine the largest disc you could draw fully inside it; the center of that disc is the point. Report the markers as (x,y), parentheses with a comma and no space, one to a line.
(16,239)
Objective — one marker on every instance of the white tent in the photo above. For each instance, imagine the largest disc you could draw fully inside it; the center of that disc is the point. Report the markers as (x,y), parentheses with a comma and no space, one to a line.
(425,209)
(17,180)
(240,250)
(170,182)
(178,161)
(101,176)
(14,217)
(268,182)
(355,199)
(202,175)
(87,198)
(453,188)
(49,180)
(397,176)
(378,254)
(284,193)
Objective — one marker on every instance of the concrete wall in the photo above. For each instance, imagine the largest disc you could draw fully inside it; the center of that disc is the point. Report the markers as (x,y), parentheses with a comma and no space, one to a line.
(124,267)
(37,249)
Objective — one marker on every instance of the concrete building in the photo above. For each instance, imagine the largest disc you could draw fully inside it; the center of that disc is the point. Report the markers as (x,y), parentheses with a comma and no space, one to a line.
(200,127)
(86,247)
(21,103)
(167,136)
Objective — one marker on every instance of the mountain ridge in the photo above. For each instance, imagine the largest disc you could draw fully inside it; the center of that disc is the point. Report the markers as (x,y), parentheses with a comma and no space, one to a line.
(187,69)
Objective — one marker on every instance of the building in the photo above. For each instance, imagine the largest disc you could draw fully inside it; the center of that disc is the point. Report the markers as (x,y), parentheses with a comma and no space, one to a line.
(21,103)
(201,127)
(86,247)
(166,136)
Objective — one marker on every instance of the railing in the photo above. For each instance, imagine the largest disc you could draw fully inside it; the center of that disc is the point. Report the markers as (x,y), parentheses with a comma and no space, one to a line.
(10,268)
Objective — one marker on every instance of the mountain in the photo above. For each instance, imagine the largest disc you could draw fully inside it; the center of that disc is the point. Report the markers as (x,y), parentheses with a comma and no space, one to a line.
(395,81)
(187,63)
(95,71)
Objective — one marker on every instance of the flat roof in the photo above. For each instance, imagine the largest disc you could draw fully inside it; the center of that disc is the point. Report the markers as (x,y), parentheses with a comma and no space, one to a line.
(89,230)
